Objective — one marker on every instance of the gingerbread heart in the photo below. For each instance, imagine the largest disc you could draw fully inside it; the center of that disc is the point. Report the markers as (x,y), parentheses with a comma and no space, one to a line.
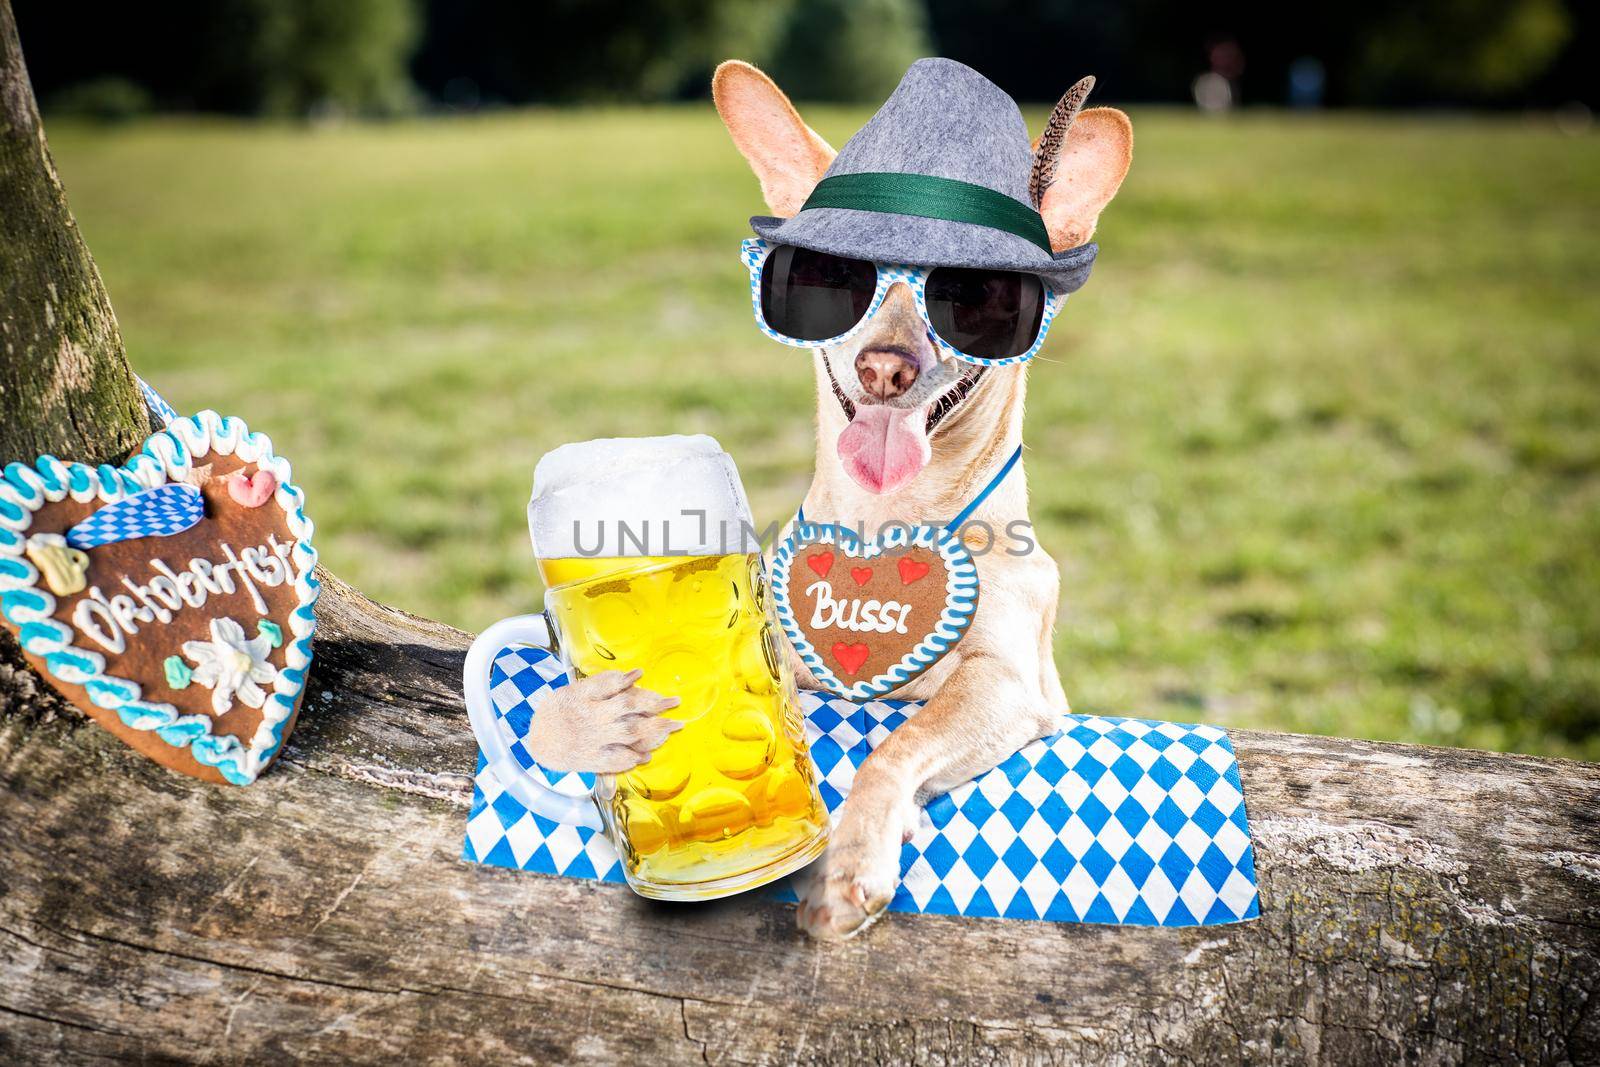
(185,624)
(908,599)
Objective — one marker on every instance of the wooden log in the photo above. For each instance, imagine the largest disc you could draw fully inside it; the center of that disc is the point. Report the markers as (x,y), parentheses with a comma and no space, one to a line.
(1417,904)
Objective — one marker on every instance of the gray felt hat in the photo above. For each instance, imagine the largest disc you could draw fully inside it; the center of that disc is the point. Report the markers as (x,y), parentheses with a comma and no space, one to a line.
(923,177)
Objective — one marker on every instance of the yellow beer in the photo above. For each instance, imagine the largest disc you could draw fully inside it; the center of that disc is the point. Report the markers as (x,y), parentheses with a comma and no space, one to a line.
(729,801)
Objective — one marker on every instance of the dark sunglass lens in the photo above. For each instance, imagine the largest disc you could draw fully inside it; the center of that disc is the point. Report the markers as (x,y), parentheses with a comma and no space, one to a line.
(812,296)
(991,314)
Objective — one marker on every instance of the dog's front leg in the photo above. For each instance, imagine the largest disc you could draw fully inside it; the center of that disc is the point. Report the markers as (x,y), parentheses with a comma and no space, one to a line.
(602,724)
(985,711)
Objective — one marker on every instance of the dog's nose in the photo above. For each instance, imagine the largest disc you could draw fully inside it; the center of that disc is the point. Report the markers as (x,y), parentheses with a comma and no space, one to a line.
(885,373)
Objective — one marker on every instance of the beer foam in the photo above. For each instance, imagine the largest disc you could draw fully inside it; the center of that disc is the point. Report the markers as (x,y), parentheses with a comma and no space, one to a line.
(678,495)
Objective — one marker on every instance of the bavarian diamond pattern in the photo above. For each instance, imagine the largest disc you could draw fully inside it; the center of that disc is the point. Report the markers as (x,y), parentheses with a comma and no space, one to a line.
(1129,821)
(155,403)
(159,512)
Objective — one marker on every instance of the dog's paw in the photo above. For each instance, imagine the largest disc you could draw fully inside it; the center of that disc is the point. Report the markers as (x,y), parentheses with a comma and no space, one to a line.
(837,904)
(844,891)
(603,723)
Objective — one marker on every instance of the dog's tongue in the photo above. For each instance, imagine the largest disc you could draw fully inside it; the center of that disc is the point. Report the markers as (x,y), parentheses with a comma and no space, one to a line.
(883,448)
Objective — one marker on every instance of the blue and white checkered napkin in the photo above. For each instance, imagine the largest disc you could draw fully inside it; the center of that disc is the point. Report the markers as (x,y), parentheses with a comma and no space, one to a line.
(1108,821)
(159,512)
(155,403)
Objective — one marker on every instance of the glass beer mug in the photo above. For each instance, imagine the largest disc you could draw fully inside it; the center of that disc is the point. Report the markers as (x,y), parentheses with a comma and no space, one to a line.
(649,561)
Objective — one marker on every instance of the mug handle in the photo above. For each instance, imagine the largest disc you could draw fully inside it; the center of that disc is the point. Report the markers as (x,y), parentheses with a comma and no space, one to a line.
(524,785)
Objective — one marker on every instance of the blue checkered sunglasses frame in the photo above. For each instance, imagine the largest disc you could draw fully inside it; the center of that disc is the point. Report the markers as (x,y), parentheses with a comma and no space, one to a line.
(754,252)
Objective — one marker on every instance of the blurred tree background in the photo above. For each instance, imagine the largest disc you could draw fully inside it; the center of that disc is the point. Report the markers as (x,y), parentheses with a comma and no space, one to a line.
(377,57)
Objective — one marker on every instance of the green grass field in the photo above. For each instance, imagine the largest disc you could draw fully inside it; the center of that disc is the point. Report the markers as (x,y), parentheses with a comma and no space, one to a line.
(1317,449)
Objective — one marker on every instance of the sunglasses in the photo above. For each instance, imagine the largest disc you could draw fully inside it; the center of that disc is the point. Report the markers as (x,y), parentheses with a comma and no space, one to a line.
(814,300)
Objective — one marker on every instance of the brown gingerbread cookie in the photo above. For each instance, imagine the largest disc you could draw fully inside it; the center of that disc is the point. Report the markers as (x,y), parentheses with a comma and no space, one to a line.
(868,616)
(172,599)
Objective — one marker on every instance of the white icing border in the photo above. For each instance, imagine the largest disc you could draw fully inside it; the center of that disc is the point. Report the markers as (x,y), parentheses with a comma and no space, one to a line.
(167,456)
(960,600)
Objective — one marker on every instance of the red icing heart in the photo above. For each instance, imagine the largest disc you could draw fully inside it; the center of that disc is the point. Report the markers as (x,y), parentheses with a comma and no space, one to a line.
(252,490)
(850,657)
(862,575)
(820,563)
(911,570)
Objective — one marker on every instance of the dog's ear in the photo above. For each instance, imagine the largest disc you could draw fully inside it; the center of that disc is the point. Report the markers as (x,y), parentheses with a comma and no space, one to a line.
(1079,162)
(786,154)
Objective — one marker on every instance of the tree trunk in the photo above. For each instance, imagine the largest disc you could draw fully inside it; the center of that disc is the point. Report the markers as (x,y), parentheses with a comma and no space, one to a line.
(65,386)
(1417,904)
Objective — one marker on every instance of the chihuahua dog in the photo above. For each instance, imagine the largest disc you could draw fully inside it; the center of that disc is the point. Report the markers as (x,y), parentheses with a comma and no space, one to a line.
(953,424)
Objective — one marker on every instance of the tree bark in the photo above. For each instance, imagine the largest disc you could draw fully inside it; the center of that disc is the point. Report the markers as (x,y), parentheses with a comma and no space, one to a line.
(65,386)
(1417,905)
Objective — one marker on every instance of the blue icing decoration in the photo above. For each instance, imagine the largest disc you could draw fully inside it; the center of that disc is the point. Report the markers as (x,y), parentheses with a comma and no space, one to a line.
(110,692)
(179,675)
(108,478)
(233,774)
(51,470)
(215,751)
(180,733)
(15,568)
(8,537)
(142,716)
(13,512)
(180,451)
(272,630)
(42,638)
(15,600)
(79,480)
(19,481)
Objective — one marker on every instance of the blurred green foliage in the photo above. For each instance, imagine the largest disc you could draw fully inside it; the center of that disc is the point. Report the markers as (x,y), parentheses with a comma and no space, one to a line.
(313,57)
(302,57)
(292,58)
(1465,49)
(1317,448)
(847,50)
(105,99)
(561,51)
(651,50)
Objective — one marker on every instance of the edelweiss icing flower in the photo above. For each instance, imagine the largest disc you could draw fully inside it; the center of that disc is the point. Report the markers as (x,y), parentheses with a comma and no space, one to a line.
(230,664)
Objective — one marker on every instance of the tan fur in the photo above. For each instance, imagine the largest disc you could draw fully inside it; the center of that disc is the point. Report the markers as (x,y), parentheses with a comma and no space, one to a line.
(603,723)
(787,155)
(1090,169)
(998,688)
